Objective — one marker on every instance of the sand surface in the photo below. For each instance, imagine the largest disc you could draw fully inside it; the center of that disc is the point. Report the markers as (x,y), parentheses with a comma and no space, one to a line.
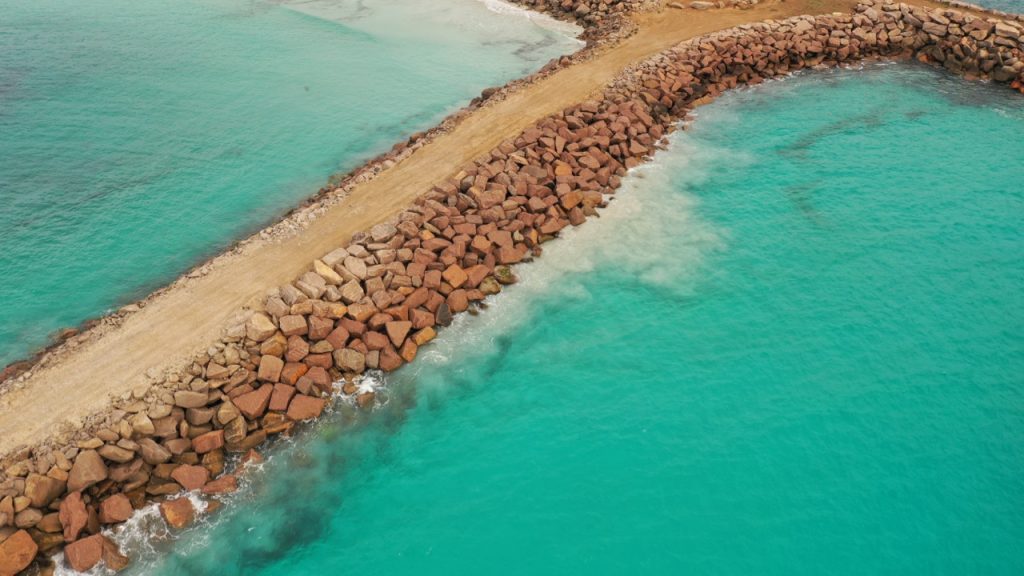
(191,315)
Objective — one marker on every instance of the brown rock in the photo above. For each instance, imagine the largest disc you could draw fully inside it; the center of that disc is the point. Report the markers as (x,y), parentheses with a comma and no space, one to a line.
(375,340)
(113,557)
(191,477)
(28,518)
(458,301)
(84,554)
(249,442)
(87,470)
(73,516)
(389,360)
(349,360)
(253,404)
(115,509)
(455,275)
(41,490)
(50,523)
(235,431)
(281,397)
(305,408)
(190,399)
(319,327)
(208,442)
(298,349)
(352,292)
(397,331)
(365,400)
(270,368)
(361,312)
(276,345)
(408,351)
(17,552)
(259,328)
(424,336)
(293,371)
(293,325)
(153,453)
(224,485)
(421,318)
(178,513)
(116,454)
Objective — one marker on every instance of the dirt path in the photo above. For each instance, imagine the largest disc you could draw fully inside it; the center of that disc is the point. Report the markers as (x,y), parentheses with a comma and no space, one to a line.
(190,316)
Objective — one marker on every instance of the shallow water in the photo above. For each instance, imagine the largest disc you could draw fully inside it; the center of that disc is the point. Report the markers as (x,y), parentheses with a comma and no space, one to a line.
(793,344)
(137,138)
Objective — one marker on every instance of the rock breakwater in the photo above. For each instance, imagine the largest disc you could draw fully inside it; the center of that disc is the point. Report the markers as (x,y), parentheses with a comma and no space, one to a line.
(372,304)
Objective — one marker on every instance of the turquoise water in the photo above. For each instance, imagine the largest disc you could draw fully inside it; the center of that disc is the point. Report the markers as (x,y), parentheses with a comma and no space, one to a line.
(1016,6)
(794,344)
(137,138)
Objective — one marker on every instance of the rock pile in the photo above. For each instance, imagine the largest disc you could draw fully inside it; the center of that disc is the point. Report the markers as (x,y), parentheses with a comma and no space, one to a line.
(373,304)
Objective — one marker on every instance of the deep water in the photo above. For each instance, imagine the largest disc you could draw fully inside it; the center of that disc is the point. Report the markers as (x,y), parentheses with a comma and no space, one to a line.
(793,344)
(138,138)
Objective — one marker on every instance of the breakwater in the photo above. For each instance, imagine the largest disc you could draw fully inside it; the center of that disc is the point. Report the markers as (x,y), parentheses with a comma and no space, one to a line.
(375,302)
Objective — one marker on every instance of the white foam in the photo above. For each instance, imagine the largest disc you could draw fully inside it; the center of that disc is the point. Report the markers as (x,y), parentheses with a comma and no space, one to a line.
(542,20)
(650,230)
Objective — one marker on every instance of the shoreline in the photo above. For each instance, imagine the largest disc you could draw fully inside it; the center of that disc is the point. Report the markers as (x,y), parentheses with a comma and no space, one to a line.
(555,174)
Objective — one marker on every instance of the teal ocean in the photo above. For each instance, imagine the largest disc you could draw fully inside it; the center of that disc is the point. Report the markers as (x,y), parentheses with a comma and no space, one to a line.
(793,344)
(138,138)
(1015,6)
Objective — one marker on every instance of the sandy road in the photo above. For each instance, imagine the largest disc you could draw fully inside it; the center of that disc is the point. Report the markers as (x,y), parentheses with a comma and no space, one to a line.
(187,318)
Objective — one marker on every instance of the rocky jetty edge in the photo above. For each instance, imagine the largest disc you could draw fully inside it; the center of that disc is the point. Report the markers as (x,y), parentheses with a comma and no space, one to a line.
(372,304)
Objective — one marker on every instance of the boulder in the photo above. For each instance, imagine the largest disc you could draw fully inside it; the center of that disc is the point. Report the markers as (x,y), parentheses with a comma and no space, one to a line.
(28,518)
(305,408)
(270,368)
(382,232)
(397,331)
(224,485)
(455,276)
(84,554)
(41,490)
(87,470)
(227,412)
(349,360)
(443,316)
(327,273)
(208,442)
(281,397)
(142,425)
(73,516)
(352,292)
(276,345)
(361,311)
(293,325)
(424,336)
(113,557)
(17,552)
(504,275)
(356,267)
(253,404)
(259,327)
(178,513)
(153,453)
(191,477)
(116,454)
(115,509)
(190,399)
